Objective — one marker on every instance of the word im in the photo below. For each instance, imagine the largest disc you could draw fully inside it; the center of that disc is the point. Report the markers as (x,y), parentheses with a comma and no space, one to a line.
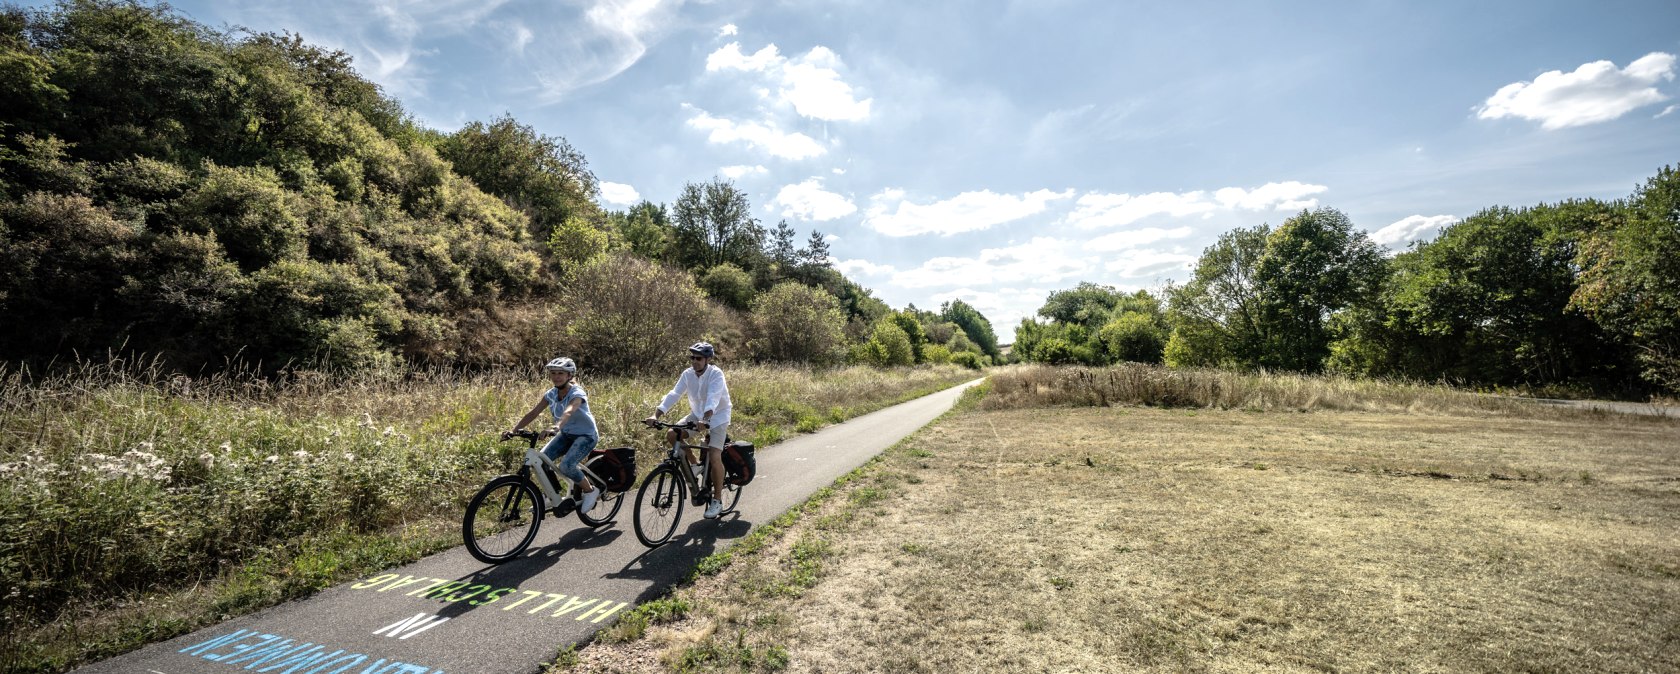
(274,653)
(483,595)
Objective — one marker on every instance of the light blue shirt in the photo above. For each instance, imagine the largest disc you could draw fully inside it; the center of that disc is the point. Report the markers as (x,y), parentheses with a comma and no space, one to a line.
(582,421)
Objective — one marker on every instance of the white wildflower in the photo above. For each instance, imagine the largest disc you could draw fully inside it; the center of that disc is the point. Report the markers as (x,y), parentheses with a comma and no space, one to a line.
(227,446)
(271,459)
(207,460)
(349,457)
(367,420)
(390,431)
(301,455)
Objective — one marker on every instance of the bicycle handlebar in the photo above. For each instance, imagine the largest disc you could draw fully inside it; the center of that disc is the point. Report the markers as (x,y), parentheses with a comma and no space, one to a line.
(687,426)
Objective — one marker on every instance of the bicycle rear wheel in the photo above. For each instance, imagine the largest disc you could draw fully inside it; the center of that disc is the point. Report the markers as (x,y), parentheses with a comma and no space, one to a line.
(659,506)
(605,507)
(502,519)
(731,498)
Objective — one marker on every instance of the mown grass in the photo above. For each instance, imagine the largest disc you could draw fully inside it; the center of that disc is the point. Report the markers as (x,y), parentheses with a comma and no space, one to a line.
(136,506)
(1081,538)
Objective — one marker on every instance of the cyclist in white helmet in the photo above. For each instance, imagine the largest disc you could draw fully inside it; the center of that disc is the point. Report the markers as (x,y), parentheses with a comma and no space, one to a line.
(708,403)
(574,428)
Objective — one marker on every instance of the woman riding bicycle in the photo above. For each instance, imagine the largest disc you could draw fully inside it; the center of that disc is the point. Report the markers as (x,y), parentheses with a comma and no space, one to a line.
(708,402)
(574,427)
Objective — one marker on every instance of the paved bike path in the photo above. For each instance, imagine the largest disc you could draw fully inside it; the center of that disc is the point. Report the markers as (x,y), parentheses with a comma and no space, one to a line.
(451,613)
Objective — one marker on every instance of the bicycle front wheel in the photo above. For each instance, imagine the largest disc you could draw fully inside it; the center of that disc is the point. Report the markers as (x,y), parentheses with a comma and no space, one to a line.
(659,506)
(502,519)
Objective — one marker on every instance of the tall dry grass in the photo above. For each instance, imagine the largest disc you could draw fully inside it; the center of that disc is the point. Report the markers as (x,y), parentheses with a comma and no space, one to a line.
(119,480)
(1154,386)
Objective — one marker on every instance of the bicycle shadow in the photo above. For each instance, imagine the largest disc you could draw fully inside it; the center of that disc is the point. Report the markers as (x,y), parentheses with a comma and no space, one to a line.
(667,565)
(514,572)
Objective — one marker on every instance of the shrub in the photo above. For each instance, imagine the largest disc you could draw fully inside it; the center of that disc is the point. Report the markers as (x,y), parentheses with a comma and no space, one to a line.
(1132,337)
(968,359)
(625,314)
(729,284)
(796,323)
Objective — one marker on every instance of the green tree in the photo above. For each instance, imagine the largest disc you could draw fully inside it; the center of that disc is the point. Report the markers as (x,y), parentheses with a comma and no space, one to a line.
(1216,315)
(1133,336)
(912,329)
(974,325)
(713,224)
(1630,278)
(888,346)
(542,176)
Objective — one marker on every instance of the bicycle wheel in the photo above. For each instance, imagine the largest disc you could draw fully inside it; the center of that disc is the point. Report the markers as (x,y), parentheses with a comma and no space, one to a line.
(605,508)
(659,505)
(731,497)
(501,519)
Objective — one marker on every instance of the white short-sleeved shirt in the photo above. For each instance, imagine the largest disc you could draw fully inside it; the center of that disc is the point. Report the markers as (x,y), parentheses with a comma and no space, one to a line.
(706,392)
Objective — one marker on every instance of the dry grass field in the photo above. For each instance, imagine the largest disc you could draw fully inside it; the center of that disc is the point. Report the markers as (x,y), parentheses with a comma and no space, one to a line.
(1129,538)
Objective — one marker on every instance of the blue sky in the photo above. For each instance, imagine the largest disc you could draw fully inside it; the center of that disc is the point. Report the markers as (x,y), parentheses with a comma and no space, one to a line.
(998,151)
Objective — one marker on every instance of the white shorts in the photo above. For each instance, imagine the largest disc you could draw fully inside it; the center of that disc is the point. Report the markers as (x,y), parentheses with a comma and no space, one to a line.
(714,438)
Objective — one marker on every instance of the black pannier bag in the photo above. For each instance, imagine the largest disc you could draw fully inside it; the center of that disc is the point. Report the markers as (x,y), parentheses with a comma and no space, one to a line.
(617,466)
(738,463)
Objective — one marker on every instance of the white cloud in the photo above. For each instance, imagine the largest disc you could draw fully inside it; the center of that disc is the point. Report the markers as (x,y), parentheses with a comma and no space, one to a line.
(1666,111)
(1149,263)
(728,29)
(839,171)
(811,83)
(1134,238)
(1004,307)
(1595,92)
(762,135)
(1096,209)
(1411,228)
(1041,260)
(891,214)
(619,193)
(735,172)
(863,267)
(810,201)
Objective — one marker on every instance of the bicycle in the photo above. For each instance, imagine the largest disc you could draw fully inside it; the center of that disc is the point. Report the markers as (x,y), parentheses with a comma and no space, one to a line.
(503,517)
(659,502)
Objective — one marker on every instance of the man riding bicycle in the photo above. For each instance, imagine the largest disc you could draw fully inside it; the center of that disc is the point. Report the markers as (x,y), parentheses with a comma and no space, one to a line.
(574,428)
(708,402)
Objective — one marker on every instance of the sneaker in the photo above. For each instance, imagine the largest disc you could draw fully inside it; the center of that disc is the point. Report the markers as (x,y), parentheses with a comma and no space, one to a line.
(713,508)
(589,498)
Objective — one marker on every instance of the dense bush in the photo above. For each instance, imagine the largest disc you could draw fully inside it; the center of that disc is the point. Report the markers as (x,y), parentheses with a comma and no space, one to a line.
(796,323)
(621,313)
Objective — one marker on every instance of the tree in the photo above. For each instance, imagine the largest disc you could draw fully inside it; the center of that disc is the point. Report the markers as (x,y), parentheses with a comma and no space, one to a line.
(974,325)
(913,333)
(626,314)
(542,176)
(1263,298)
(781,249)
(1133,336)
(645,230)
(815,253)
(888,346)
(1088,304)
(796,323)
(1630,278)
(713,224)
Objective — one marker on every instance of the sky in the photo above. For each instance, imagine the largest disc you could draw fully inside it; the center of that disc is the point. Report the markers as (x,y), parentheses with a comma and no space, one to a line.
(995,152)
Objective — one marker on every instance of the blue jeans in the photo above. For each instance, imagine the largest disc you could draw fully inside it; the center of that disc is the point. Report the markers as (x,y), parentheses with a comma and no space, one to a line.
(577,448)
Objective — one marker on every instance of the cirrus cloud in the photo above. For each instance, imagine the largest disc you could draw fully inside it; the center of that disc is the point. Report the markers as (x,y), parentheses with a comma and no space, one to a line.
(1595,92)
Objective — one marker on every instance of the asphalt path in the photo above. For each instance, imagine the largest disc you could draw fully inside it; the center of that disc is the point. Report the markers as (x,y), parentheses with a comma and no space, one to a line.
(451,613)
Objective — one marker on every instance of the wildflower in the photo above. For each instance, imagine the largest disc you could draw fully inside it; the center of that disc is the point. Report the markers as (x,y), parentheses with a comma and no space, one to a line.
(390,431)
(349,457)
(367,420)
(207,460)
(301,455)
(271,459)
(227,446)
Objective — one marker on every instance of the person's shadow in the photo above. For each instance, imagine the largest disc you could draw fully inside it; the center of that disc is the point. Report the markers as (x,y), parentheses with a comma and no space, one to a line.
(669,564)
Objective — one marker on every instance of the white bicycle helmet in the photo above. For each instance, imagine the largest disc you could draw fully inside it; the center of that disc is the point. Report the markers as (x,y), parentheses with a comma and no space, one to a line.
(562,364)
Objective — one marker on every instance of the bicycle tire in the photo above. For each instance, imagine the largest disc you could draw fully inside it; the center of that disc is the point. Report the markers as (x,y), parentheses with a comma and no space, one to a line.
(659,506)
(731,498)
(606,507)
(507,500)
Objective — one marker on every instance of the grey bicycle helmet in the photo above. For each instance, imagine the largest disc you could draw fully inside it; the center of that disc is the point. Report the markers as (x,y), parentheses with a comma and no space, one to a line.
(561,364)
(702,349)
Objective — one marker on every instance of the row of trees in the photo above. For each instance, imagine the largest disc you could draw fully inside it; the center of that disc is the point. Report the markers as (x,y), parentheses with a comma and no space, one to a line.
(200,195)
(1581,293)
